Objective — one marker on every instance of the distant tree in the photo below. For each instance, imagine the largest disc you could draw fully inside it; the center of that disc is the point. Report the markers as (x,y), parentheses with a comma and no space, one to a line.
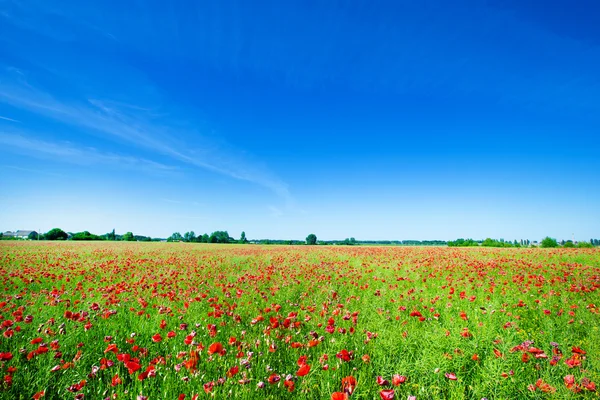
(85,235)
(189,236)
(311,239)
(562,242)
(56,234)
(489,242)
(140,238)
(205,238)
(220,237)
(243,239)
(111,235)
(584,245)
(128,237)
(33,235)
(569,244)
(175,237)
(549,242)
(463,243)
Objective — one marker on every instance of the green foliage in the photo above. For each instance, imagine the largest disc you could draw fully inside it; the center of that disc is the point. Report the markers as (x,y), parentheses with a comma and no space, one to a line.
(175,237)
(56,234)
(220,237)
(33,236)
(243,239)
(311,239)
(85,235)
(111,235)
(584,245)
(549,242)
(463,243)
(140,238)
(189,236)
(497,243)
(128,237)
(569,244)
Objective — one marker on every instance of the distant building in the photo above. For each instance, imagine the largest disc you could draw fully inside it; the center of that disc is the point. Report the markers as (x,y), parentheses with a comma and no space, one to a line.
(20,234)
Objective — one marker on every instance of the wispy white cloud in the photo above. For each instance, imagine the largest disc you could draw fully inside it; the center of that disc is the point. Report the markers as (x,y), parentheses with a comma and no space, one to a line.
(68,153)
(141,127)
(9,119)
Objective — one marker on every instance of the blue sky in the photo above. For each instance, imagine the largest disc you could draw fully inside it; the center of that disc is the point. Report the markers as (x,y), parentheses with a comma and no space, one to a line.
(386,120)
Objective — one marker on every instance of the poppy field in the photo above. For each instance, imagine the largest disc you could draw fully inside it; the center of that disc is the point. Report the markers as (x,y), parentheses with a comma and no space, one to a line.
(189,321)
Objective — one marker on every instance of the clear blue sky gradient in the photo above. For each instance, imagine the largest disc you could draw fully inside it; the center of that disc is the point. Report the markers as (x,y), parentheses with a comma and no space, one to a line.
(385,120)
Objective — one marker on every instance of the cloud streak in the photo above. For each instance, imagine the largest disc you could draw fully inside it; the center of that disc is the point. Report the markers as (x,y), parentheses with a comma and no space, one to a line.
(138,126)
(8,119)
(71,154)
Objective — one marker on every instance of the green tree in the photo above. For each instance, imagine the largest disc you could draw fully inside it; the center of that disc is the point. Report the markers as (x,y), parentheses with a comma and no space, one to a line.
(243,239)
(189,236)
(548,242)
(85,235)
(128,237)
(584,245)
(205,238)
(569,244)
(111,235)
(175,237)
(56,234)
(33,235)
(311,239)
(220,237)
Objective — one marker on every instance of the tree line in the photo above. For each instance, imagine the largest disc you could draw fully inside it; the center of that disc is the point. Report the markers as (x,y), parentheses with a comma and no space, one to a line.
(215,237)
(547,242)
(311,239)
(59,234)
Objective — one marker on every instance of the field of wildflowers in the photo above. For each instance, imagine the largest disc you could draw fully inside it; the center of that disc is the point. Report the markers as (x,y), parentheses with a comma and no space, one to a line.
(184,321)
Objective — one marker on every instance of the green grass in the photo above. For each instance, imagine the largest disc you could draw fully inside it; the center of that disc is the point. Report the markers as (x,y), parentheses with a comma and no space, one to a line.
(184,284)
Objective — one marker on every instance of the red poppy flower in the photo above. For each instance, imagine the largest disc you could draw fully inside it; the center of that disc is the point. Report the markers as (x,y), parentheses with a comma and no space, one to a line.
(233,371)
(304,369)
(274,378)
(216,348)
(544,387)
(382,382)
(157,338)
(290,385)
(339,396)
(344,355)
(398,379)
(450,376)
(208,387)
(112,348)
(115,380)
(348,384)
(387,394)
(586,383)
